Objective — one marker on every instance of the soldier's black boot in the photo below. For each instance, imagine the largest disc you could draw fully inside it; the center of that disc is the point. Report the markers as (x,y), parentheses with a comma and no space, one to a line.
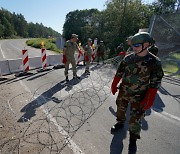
(132,146)
(67,79)
(117,127)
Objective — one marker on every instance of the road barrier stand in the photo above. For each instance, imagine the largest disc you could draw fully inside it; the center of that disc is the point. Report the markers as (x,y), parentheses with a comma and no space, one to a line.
(80,54)
(25,62)
(43,58)
(43,61)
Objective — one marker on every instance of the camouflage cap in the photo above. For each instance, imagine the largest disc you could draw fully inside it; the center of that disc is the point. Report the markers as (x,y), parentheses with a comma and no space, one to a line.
(142,37)
(74,36)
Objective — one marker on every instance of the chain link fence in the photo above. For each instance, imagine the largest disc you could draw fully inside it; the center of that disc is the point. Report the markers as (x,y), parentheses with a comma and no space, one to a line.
(165,29)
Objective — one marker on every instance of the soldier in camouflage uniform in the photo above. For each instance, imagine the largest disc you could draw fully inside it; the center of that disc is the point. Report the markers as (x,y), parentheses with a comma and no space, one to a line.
(140,74)
(153,49)
(69,49)
(100,52)
(128,40)
(88,52)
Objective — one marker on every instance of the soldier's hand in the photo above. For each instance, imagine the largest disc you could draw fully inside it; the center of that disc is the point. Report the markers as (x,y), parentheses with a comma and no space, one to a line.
(113,90)
(148,101)
(64,60)
(114,84)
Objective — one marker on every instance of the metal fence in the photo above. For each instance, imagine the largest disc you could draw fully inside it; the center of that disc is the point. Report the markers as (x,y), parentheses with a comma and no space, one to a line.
(165,29)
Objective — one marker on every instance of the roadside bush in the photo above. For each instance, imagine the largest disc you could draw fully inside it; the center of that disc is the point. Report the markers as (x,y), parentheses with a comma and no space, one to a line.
(49,44)
(171,64)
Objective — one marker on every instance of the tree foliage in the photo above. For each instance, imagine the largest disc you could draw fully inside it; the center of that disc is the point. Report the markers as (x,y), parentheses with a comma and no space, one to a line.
(165,6)
(79,22)
(13,25)
(120,19)
(124,18)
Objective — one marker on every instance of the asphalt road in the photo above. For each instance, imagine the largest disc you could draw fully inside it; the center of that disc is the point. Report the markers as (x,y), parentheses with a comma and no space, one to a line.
(12,49)
(41,113)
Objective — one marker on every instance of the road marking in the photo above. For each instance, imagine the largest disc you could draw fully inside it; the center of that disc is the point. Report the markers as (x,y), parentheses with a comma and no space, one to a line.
(2,52)
(166,115)
(71,144)
(14,46)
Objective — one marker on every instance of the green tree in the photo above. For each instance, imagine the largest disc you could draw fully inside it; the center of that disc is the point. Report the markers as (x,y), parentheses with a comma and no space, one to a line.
(120,19)
(8,30)
(1,30)
(79,22)
(124,18)
(5,20)
(165,6)
(20,24)
(12,25)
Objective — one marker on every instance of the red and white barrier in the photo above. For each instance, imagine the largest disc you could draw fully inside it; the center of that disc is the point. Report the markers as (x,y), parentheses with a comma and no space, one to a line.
(79,55)
(25,60)
(93,56)
(43,58)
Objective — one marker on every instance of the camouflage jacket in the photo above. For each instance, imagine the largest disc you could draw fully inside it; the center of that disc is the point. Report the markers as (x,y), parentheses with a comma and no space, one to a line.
(139,73)
(70,48)
(88,50)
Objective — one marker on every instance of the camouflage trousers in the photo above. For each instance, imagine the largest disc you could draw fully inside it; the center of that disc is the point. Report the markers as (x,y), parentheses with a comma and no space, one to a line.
(73,63)
(136,113)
